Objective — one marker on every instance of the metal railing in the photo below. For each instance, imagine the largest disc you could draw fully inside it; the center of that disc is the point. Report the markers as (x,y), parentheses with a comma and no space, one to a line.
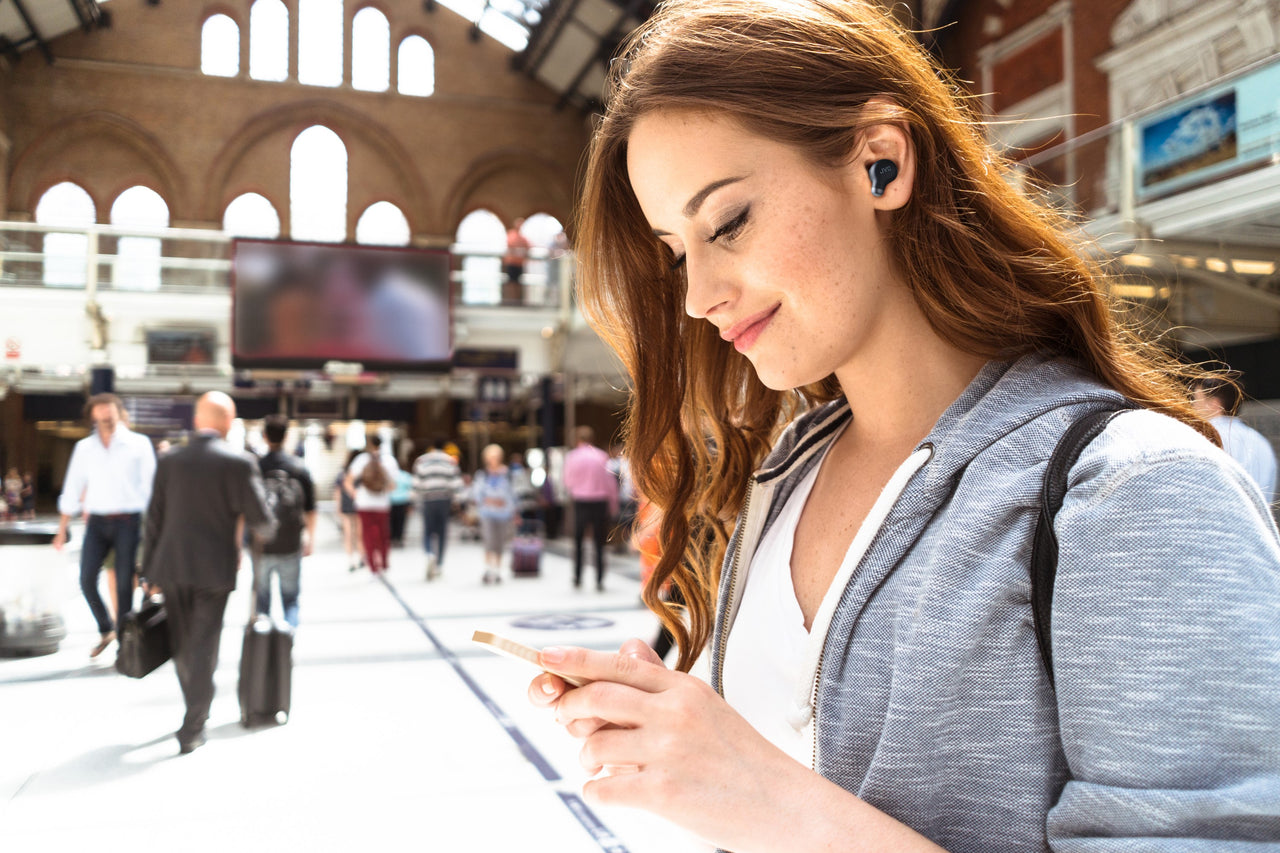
(1110,172)
(177,260)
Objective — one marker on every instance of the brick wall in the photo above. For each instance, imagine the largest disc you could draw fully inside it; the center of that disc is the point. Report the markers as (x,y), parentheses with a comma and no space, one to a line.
(128,105)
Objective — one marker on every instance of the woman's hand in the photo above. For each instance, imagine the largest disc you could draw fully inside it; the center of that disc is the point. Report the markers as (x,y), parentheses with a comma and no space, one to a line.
(671,745)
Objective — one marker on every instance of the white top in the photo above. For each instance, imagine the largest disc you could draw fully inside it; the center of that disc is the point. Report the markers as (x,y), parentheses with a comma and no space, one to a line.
(366,499)
(110,479)
(770,660)
(1251,449)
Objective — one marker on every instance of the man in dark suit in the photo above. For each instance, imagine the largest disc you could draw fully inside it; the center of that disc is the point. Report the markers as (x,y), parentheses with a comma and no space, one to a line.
(202,493)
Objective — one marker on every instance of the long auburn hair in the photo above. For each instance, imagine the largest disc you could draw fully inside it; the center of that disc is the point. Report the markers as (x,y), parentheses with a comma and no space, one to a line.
(992,270)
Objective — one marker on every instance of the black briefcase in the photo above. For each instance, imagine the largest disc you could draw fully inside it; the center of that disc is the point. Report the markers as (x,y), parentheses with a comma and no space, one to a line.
(144,639)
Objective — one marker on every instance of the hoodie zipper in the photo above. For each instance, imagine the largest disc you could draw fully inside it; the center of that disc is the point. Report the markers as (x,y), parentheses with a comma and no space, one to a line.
(813,706)
(822,651)
(733,577)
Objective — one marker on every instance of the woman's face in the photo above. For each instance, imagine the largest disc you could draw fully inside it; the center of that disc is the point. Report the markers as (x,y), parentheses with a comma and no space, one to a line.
(783,257)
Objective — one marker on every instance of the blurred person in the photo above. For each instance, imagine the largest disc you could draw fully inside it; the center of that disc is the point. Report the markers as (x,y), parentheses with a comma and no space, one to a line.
(370,480)
(345,503)
(13,493)
(526,494)
(854,346)
(28,494)
(109,477)
(436,482)
(401,496)
(620,467)
(594,492)
(205,492)
(291,496)
(1217,399)
(495,503)
(513,262)
(550,507)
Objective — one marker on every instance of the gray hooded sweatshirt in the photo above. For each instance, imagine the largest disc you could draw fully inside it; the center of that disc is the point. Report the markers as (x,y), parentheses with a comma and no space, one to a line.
(930,698)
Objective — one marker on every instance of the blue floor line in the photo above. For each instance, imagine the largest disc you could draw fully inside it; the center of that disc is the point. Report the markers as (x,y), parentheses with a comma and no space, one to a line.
(577,807)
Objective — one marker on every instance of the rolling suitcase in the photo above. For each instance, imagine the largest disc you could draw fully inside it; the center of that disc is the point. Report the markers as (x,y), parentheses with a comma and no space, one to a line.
(526,552)
(266,672)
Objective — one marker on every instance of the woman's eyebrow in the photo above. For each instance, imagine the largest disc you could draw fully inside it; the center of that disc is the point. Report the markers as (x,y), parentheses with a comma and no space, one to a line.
(691,207)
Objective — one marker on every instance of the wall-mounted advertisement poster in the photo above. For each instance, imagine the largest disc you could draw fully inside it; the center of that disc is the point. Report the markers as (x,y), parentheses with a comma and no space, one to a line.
(1188,141)
(1211,134)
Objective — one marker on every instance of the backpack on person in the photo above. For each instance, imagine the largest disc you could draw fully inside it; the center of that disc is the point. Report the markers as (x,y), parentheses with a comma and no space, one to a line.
(374,476)
(287,502)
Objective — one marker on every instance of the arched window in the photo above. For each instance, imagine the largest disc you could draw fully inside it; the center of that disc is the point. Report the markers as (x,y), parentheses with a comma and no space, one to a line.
(251,215)
(370,51)
(541,229)
(320,42)
(318,186)
(65,255)
(220,47)
(541,273)
(382,224)
(481,240)
(138,258)
(416,67)
(269,40)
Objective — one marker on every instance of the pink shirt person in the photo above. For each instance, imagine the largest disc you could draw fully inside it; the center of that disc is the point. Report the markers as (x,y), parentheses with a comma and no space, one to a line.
(587,476)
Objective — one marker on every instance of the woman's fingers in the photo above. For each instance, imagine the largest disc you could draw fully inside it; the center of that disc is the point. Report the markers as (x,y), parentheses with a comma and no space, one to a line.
(617,703)
(637,648)
(546,689)
(612,747)
(629,669)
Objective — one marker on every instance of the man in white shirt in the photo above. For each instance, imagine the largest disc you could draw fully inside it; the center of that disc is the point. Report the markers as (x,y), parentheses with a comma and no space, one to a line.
(1216,400)
(109,477)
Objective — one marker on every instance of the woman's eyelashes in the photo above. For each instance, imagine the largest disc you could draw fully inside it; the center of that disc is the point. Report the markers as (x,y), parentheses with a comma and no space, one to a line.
(728,231)
(731,229)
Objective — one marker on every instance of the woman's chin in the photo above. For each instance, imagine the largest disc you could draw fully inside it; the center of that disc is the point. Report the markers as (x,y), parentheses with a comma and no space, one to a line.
(780,380)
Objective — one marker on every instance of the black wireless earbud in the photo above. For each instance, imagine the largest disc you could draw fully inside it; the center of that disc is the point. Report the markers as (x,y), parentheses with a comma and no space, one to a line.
(882,173)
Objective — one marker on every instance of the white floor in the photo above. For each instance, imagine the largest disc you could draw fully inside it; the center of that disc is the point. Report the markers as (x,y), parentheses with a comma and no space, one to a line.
(388,747)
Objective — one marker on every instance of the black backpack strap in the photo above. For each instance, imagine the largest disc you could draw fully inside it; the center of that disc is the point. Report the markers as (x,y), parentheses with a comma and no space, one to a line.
(1044,554)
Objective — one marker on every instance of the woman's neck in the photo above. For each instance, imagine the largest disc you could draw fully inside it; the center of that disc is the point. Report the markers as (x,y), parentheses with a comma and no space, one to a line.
(898,393)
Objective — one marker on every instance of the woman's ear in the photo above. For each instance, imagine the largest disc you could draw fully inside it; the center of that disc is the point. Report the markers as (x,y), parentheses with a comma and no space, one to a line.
(885,166)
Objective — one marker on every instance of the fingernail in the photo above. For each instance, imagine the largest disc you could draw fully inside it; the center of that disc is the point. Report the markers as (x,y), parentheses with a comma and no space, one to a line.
(548,689)
(553,654)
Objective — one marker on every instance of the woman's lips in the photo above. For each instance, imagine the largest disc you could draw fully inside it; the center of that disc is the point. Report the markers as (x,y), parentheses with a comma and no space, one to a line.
(745,333)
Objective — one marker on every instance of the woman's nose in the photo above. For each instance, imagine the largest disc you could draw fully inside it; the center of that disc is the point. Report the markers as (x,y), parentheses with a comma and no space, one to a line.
(705,291)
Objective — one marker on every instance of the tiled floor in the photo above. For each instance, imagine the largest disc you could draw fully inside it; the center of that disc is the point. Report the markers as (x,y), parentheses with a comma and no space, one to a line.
(404,735)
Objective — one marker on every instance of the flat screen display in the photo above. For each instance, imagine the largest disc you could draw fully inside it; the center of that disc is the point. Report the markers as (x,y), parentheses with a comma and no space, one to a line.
(300,305)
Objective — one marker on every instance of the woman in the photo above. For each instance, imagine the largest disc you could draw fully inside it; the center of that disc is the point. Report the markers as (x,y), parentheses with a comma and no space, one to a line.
(370,480)
(347,518)
(495,502)
(843,251)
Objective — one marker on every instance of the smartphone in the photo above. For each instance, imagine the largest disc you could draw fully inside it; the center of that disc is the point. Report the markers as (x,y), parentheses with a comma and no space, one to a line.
(519,651)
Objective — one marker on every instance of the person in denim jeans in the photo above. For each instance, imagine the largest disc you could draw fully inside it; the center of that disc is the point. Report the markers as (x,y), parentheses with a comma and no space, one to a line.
(436,480)
(291,495)
(109,479)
